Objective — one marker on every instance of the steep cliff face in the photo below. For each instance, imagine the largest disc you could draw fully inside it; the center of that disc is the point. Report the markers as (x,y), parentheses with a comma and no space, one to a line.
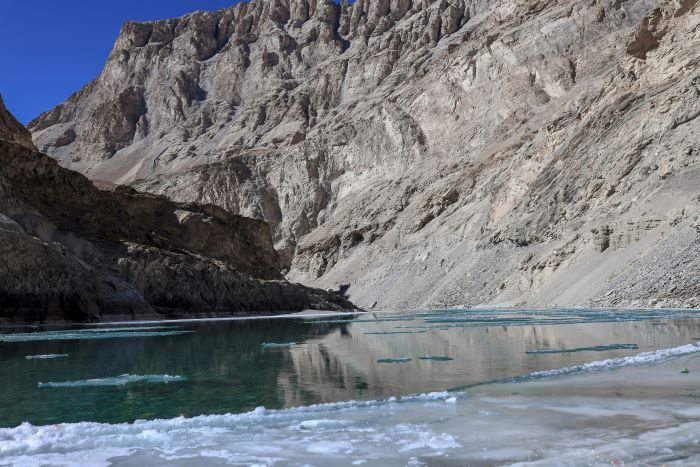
(71,251)
(427,152)
(12,130)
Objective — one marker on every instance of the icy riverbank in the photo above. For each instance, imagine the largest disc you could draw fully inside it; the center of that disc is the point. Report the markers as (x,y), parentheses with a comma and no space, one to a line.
(639,409)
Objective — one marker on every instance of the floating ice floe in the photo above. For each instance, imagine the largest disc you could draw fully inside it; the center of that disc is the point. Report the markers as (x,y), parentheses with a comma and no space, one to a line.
(459,318)
(133,329)
(394,360)
(362,320)
(275,345)
(86,334)
(50,356)
(120,380)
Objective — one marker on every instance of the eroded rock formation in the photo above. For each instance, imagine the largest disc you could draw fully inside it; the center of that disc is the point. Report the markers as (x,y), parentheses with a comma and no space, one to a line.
(428,152)
(71,251)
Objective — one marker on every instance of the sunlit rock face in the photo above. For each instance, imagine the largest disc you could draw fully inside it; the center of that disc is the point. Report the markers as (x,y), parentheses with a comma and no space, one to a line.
(429,153)
(73,252)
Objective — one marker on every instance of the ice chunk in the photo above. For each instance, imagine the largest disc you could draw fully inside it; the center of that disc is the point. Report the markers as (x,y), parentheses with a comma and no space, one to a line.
(321,424)
(86,334)
(362,320)
(120,380)
(50,356)
(275,345)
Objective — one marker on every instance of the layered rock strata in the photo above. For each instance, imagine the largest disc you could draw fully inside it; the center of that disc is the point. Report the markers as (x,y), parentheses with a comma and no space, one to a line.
(430,153)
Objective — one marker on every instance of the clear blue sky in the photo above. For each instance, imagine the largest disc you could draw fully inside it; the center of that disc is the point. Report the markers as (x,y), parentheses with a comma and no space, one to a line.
(51,48)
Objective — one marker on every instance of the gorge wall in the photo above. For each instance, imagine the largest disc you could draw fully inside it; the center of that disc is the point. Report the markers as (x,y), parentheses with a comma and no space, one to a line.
(73,252)
(427,152)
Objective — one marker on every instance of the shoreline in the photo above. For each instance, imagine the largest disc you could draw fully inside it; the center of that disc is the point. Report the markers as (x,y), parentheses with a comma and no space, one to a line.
(527,308)
(328,313)
(243,317)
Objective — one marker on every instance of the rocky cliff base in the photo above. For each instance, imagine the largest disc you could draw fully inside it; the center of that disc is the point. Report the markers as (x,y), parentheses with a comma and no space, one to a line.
(71,251)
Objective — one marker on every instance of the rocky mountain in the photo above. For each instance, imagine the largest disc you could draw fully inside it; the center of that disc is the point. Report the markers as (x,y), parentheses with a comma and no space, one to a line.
(12,130)
(71,251)
(428,152)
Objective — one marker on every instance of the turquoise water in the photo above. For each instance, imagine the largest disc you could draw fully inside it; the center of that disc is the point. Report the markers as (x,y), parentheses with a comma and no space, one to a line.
(122,373)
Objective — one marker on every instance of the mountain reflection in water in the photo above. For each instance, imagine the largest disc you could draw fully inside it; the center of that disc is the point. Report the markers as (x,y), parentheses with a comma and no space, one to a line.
(235,366)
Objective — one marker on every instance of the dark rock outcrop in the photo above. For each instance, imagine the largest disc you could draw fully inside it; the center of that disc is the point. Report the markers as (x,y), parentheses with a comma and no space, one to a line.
(12,130)
(72,251)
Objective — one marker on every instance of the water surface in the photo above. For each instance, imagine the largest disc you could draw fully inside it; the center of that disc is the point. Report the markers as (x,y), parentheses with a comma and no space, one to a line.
(122,373)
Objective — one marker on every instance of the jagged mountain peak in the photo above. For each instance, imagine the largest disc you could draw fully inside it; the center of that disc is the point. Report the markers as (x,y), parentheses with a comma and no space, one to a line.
(177,78)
